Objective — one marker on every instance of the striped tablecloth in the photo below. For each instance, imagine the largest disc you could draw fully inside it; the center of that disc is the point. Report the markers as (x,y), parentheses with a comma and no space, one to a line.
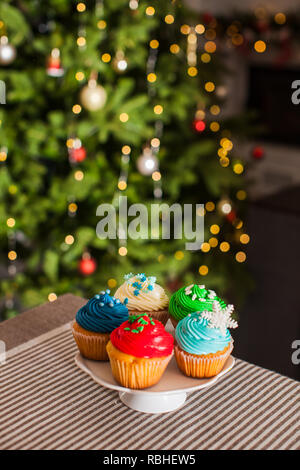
(48,403)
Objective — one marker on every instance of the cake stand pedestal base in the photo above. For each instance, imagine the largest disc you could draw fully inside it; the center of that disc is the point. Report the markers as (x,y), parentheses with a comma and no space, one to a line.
(151,403)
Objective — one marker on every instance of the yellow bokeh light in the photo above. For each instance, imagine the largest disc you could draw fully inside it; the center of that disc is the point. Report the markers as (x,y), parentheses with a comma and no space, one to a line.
(78,175)
(156,176)
(199,28)
(12,255)
(122,251)
(154,44)
(205,247)
(76,109)
(222,152)
(3,156)
(185,29)
(213,241)
(70,143)
(52,296)
(12,189)
(106,57)
(174,48)
(81,41)
(123,117)
(237,39)
(244,238)
(169,19)
(210,206)
(111,283)
(226,143)
(241,195)
(81,7)
(122,185)
(224,246)
(214,126)
(72,207)
(203,270)
(238,224)
(158,109)
(238,168)
(224,162)
(260,46)
(214,229)
(179,255)
(101,24)
(150,11)
(240,257)
(209,87)
(126,149)
(10,222)
(160,258)
(69,239)
(205,58)
(210,46)
(151,77)
(79,76)
(200,114)
(192,71)
(280,18)
(215,109)
(210,34)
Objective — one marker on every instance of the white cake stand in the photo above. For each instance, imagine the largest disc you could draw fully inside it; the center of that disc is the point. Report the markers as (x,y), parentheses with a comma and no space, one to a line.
(167,395)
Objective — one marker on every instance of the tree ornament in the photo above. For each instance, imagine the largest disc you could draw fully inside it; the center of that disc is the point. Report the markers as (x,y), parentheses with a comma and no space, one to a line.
(93,96)
(231,216)
(7,51)
(147,163)
(224,206)
(120,62)
(199,125)
(258,153)
(87,265)
(220,317)
(54,68)
(77,152)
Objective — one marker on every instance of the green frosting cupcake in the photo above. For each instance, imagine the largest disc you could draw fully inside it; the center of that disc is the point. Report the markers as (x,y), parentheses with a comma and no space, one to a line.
(193,298)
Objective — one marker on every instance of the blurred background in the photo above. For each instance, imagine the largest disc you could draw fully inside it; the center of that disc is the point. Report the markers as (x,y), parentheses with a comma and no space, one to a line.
(161,102)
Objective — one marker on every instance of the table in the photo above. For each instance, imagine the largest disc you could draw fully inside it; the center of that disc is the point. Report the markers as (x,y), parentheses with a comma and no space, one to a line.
(48,403)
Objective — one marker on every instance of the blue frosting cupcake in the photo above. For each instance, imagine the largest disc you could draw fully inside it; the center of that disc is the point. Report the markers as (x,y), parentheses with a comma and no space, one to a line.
(94,323)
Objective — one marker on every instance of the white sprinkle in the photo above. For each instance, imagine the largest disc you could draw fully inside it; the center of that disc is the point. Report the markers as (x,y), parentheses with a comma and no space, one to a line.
(194,296)
(188,292)
(201,286)
(190,287)
(201,300)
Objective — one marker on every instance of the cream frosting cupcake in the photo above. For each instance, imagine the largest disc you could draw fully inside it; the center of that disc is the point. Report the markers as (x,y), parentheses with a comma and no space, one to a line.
(144,295)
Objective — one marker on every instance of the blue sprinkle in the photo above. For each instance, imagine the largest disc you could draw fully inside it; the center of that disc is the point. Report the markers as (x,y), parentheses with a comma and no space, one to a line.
(138,285)
(150,287)
(101,304)
(126,301)
(136,292)
(117,301)
(107,291)
(97,296)
(102,292)
(111,304)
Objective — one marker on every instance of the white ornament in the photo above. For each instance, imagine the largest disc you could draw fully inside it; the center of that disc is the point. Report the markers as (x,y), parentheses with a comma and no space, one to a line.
(93,96)
(7,51)
(220,318)
(147,163)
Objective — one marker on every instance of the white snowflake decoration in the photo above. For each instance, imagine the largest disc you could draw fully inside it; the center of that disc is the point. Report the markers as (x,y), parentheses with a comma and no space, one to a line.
(220,318)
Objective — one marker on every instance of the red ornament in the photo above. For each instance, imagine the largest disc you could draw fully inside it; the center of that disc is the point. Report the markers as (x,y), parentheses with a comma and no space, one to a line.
(231,216)
(77,154)
(87,265)
(199,125)
(258,153)
(54,68)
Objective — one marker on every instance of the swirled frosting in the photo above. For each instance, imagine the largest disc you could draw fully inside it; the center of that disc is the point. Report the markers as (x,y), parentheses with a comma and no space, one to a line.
(142,336)
(193,298)
(143,293)
(194,335)
(102,313)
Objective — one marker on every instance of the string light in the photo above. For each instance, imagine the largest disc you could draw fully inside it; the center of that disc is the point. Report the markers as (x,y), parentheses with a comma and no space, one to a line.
(185,29)
(123,117)
(154,44)
(101,24)
(214,229)
(10,222)
(205,247)
(260,46)
(79,76)
(69,239)
(106,57)
(240,257)
(133,4)
(76,109)
(150,11)
(122,251)
(111,283)
(241,195)
(238,168)
(158,109)
(12,255)
(214,126)
(210,206)
(81,7)
(210,47)
(224,247)
(174,48)
(209,86)
(244,238)
(169,19)
(192,71)
(156,176)
(203,270)
(213,241)
(280,18)
(52,296)
(205,58)
(179,255)
(151,77)
(78,175)
(81,41)
(199,28)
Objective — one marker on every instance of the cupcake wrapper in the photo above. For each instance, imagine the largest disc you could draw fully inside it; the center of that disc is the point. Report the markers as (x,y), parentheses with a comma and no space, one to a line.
(92,346)
(174,322)
(140,373)
(201,366)
(161,315)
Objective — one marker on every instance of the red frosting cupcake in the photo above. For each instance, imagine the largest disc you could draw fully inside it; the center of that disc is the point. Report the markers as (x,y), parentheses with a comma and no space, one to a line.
(139,351)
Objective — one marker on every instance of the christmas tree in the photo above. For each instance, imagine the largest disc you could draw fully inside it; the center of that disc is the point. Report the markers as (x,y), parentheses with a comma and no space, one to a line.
(106,99)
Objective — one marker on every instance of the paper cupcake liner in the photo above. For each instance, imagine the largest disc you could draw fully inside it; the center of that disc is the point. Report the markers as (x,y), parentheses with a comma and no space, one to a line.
(174,321)
(161,315)
(134,372)
(206,365)
(91,345)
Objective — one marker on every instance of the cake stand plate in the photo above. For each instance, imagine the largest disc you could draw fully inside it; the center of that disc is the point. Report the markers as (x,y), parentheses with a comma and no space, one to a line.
(167,395)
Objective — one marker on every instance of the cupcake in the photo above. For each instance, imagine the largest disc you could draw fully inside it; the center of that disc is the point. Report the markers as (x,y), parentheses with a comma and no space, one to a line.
(94,323)
(139,351)
(144,295)
(193,298)
(203,342)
